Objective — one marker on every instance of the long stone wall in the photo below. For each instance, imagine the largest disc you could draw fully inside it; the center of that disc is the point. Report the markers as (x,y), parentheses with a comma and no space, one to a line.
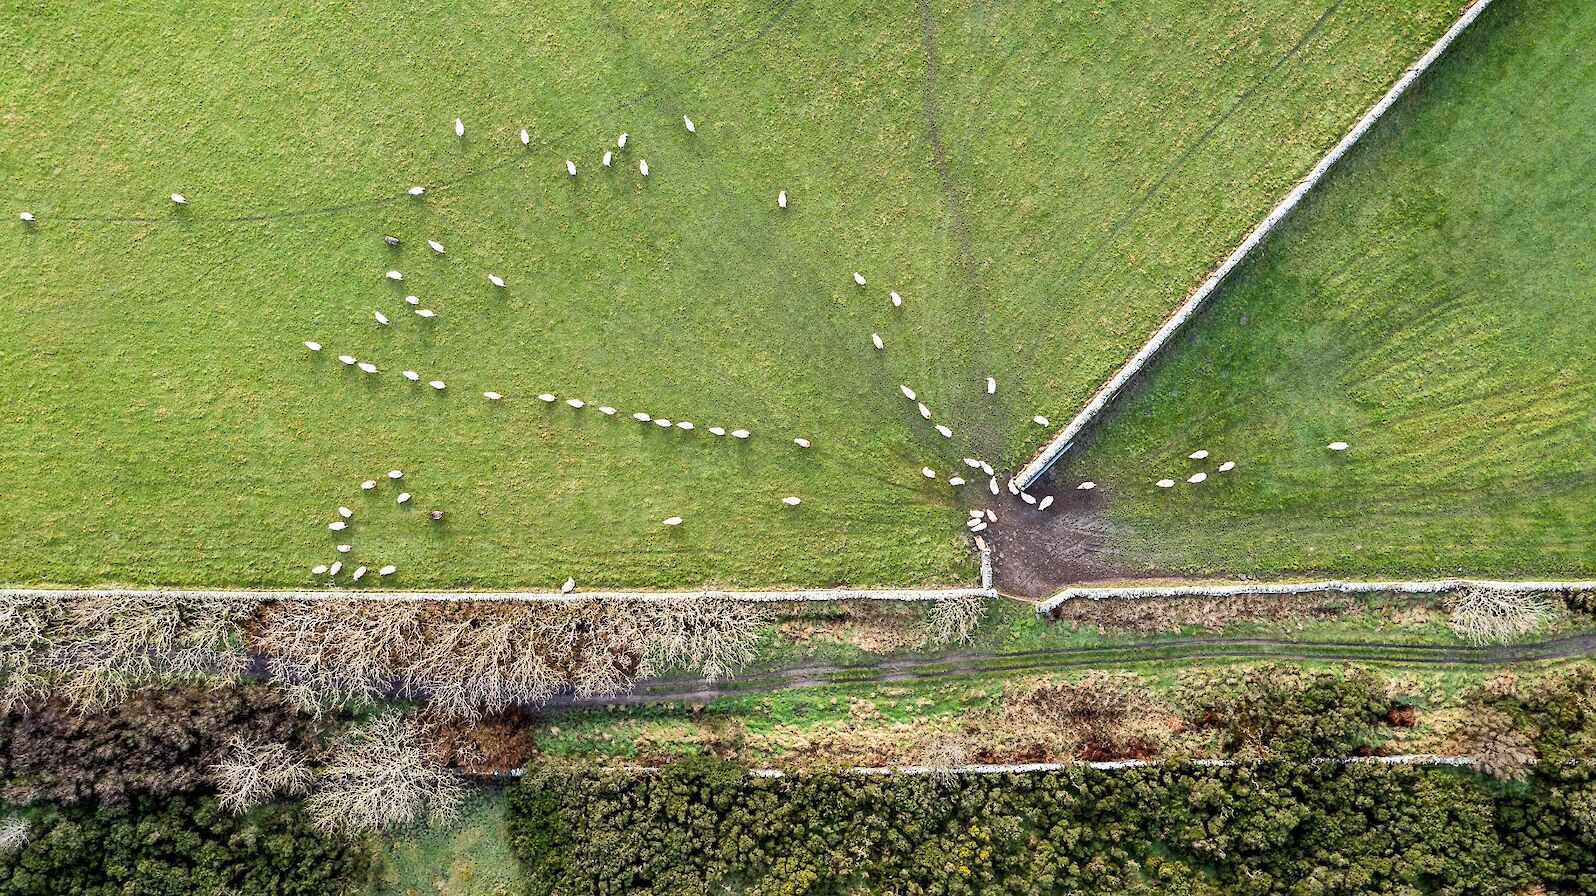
(1056,448)
(890,594)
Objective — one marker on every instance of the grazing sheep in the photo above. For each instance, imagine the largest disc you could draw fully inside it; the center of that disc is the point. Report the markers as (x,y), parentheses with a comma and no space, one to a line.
(381,318)
(907,392)
(1165,483)
(496,280)
(412,376)
(437,384)
(359,571)
(662,423)
(956,480)
(179,199)
(781,199)
(526,139)
(396,474)
(348,360)
(801,443)
(946,433)
(367,367)
(391,240)
(388,570)
(570,167)
(672,521)
(492,396)
(1196,478)
(313,346)
(436,246)
(412,300)
(607,411)
(1198,455)
(1338,446)
(394,275)
(459,128)
(641,417)
(417,191)
(345,512)
(576,403)
(404,498)
(1086,486)
(689,124)
(991,386)
(858,278)
(924,411)
(1039,420)
(27,217)
(1045,503)
(717,430)
(897,300)
(424,312)
(334,569)
(792,500)
(568,585)
(338,526)
(368,485)
(875,338)
(621,140)
(928,473)
(1227,466)
(608,156)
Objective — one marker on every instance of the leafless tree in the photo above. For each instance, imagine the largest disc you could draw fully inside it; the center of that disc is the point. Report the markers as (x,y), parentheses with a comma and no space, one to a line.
(255,773)
(92,649)
(1484,616)
(382,775)
(1499,749)
(14,834)
(955,619)
(469,658)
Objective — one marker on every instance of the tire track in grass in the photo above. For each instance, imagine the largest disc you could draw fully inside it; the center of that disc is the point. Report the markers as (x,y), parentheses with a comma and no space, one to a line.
(931,668)
(1130,214)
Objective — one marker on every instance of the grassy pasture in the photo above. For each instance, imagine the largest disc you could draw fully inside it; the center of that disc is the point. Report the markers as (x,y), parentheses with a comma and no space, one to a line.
(1432,306)
(162,425)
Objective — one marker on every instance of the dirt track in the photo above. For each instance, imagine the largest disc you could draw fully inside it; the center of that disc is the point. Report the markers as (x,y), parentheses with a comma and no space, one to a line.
(919,669)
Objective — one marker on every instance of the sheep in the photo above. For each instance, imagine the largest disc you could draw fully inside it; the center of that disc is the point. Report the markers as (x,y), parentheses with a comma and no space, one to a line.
(1196,478)
(980,544)
(897,300)
(1027,497)
(437,384)
(1045,503)
(641,417)
(792,500)
(620,141)
(547,398)
(607,411)
(858,278)
(608,157)
(359,571)
(368,485)
(991,386)
(672,521)
(568,585)
(27,217)
(1039,420)
(394,275)
(1338,446)
(907,392)
(642,166)
(740,433)
(1227,466)
(972,463)
(1086,486)
(436,246)
(924,411)
(345,512)
(991,515)
(313,346)
(179,199)
(801,443)
(576,403)
(338,525)
(391,240)
(348,360)
(381,318)
(781,199)
(662,423)
(1165,483)
(946,433)
(412,300)
(956,480)
(717,430)
(928,473)
(404,498)
(459,128)
(526,139)
(368,367)
(875,338)
(496,280)
(318,569)
(388,570)
(334,569)
(978,527)
(570,167)
(412,376)
(987,468)
(992,484)
(688,122)
(425,312)
(344,548)
(396,474)
(1198,455)
(1014,487)
(417,191)
(492,396)
(685,424)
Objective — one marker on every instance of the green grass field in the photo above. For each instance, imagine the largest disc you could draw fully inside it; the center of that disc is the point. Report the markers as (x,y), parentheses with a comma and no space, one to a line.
(1432,306)
(162,424)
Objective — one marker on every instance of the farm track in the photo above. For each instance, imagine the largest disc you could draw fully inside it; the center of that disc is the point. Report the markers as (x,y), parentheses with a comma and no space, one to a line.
(931,668)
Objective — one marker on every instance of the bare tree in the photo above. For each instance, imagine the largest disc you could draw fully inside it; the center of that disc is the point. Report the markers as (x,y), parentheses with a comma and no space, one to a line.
(382,775)
(955,619)
(469,658)
(256,773)
(14,833)
(93,649)
(1484,616)
(1499,749)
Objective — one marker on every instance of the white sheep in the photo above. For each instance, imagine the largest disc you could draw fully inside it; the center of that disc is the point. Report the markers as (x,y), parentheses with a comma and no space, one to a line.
(897,300)
(417,191)
(459,128)
(781,199)
(907,392)
(437,384)
(394,275)
(642,167)
(436,246)
(368,367)
(526,139)
(496,280)
(858,278)
(412,376)
(179,199)
(688,122)
(801,443)
(875,338)
(313,346)
(570,167)
(792,500)
(381,318)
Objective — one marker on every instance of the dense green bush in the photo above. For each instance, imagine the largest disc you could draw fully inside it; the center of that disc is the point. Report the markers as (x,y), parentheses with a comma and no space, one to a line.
(158,743)
(1275,828)
(1282,711)
(181,847)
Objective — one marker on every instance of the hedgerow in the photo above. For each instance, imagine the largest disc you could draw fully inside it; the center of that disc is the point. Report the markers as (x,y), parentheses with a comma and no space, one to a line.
(1273,828)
